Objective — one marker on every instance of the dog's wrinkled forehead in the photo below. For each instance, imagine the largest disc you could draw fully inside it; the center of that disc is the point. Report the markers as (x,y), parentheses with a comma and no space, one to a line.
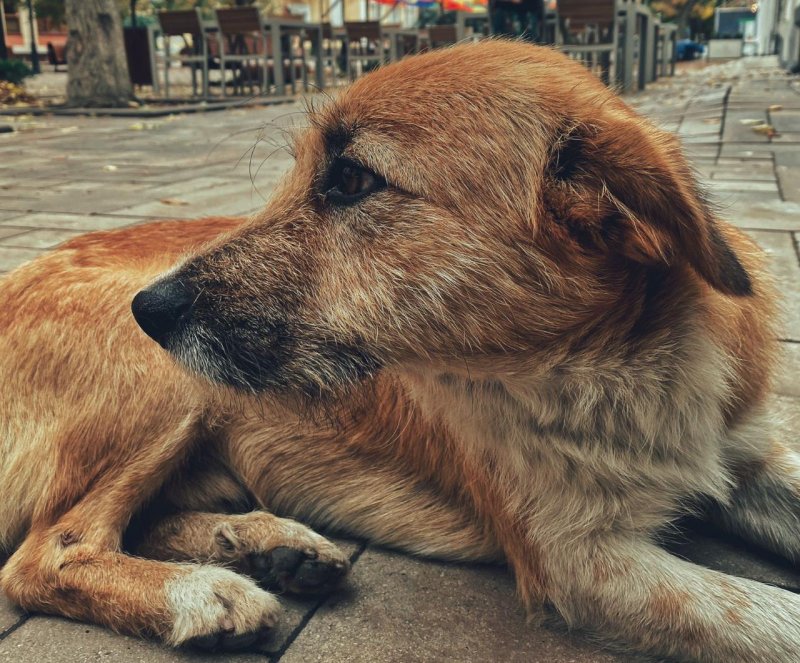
(461,115)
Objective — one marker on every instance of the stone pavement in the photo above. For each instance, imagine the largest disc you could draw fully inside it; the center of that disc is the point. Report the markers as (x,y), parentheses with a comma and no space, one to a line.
(62,176)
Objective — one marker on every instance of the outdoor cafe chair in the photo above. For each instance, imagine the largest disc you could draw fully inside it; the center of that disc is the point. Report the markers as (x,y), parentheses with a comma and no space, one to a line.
(331,49)
(243,48)
(442,35)
(195,54)
(293,47)
(364,45)
(591,33)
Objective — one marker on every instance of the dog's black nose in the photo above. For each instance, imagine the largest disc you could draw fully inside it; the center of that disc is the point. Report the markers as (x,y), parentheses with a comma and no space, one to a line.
(159,308)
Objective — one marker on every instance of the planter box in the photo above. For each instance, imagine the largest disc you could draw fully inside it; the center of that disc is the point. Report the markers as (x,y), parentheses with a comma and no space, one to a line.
(724,48)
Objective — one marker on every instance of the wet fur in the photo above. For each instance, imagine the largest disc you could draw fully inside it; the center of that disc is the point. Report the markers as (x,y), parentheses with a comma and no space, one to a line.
(537,344)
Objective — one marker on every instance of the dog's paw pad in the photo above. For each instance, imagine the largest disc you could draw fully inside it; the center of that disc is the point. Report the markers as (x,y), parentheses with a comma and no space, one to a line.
(230,641)
(298,570)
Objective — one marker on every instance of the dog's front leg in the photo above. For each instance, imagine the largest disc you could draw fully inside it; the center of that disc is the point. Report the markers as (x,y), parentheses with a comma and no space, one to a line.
(764,507)
(277,551)
(630,589)
(56,573)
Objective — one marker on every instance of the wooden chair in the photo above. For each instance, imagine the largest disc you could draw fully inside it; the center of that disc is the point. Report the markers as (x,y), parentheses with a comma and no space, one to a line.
(590,29)
(195,55)
(518,18)
(243,48)
(442,35)
(293,52)
(364,44)
(56,55)
(332,53)
(595,18)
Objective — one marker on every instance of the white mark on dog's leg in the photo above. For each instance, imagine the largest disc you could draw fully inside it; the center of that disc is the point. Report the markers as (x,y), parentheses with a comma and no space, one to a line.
(208,600)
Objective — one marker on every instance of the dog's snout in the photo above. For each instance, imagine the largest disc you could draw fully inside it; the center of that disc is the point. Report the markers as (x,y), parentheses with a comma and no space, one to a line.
(159,308)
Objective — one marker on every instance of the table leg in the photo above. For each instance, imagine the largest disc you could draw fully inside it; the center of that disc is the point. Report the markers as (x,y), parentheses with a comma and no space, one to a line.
(320,61)
(277,58)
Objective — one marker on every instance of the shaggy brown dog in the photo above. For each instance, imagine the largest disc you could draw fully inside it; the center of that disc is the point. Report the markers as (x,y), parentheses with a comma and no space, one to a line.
(514,331)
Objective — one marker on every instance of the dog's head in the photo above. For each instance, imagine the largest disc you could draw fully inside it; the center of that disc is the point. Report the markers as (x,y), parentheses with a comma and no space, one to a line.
(481,201)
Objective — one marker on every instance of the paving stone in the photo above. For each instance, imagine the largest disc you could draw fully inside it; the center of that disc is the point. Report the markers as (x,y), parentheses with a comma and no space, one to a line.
(786,138)
(762,161)
(54,640)
(11,257)
(737,151)
(743,185)
(783,264)
(403,609)
(769,215)
(789,178)
(734,198)
(37,239)
(785,121)
(737,132)
(742,174)
(789,159)
(225,198)
(10,615)
(83,222)
(10,231)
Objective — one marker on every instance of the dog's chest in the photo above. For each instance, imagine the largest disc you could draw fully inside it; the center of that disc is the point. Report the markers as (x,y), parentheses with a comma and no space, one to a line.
(633,441)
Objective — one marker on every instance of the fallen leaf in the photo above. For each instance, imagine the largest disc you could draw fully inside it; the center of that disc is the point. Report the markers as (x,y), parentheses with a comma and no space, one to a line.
(110,168)
(765,129)
(143,126)
(748,122)
(173,201)
(775,107)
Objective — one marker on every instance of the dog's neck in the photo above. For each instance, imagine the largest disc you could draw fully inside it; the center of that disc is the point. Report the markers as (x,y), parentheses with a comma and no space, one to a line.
(604,408)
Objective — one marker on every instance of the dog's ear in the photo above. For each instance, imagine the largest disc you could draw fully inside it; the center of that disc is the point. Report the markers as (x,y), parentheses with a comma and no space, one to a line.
(625,186)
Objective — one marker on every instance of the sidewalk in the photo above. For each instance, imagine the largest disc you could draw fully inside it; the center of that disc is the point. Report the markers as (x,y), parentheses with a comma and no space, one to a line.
(62,176)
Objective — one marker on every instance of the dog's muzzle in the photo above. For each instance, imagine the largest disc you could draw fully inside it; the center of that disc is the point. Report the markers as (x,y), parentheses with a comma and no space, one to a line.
(160,308)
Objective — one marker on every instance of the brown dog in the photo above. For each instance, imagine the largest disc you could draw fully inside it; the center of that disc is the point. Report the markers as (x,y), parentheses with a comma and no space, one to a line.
(512,328)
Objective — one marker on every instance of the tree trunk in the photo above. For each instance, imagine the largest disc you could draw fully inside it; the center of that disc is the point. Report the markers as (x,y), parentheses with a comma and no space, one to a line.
(98,70)
(683,18)
(3,49)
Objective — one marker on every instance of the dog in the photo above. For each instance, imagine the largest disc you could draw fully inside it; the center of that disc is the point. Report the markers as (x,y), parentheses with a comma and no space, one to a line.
(486,316)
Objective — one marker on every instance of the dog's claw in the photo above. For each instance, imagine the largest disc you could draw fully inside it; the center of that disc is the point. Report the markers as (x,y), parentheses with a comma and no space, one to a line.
(297,570)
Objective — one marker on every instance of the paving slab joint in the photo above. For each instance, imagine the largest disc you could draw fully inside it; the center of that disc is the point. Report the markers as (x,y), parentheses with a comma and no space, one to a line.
(22,619)
(723,120)
(362,546)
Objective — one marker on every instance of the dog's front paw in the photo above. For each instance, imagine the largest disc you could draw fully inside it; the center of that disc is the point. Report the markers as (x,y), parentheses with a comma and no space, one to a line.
(299,570)
(280,552)
(215,608)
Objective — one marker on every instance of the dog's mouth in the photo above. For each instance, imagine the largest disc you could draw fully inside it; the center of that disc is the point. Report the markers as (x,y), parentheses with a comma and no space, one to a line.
(250,354)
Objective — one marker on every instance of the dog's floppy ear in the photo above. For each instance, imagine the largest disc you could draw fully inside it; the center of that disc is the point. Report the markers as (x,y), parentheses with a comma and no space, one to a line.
(625,186)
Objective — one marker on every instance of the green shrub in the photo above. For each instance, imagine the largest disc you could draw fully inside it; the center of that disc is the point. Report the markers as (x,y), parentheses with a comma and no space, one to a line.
(14,71)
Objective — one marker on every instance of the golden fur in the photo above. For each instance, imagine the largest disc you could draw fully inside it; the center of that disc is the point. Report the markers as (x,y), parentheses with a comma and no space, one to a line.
(531,340)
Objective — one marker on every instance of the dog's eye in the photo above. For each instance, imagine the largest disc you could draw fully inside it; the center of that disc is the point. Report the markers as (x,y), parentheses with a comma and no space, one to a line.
(349,182)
